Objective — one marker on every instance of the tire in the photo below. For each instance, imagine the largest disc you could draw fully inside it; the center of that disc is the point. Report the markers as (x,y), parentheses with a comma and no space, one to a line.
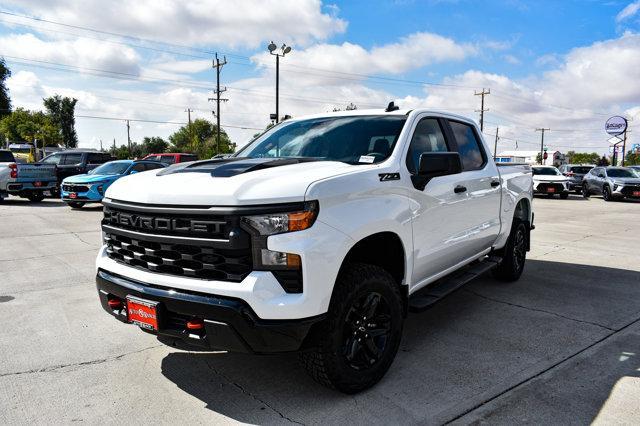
(349,353)
(564,195)
(35,197)
(75,204)
(606,194)
(585,192)
(514,253)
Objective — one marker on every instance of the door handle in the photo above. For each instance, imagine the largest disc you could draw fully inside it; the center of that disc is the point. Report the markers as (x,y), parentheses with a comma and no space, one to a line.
(495,183)
(458,189)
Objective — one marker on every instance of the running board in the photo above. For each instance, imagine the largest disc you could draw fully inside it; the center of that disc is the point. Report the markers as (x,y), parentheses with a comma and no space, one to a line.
(434,292)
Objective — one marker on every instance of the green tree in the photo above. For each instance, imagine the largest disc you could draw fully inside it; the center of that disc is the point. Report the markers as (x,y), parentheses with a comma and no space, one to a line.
(5,100)
(61,111)
(200,138)
(26,126)
(584,157)
(602,162)
(632,159)
(154,145)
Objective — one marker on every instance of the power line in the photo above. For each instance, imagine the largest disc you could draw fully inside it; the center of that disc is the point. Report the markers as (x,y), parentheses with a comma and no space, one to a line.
(139,120)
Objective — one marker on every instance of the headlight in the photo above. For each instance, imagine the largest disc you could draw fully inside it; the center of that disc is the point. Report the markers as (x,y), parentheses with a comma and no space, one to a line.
(278,223)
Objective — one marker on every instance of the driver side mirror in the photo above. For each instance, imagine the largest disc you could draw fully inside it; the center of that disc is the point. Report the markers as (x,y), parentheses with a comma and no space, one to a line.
(600,175)
(434,164)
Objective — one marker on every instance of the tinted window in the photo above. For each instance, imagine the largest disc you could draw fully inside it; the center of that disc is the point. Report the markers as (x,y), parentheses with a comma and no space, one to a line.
(346,139)
(428,137)
(469,149)
(95,159)
(71,159)
(545,171)
(167,159)
(621,173)
(152,166)
(140,167)
(52,159)
(582,170)
(6,157)
(113,168)
(185,158)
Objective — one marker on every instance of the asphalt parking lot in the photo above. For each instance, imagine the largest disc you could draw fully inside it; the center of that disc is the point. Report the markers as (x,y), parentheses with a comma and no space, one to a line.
(560,346)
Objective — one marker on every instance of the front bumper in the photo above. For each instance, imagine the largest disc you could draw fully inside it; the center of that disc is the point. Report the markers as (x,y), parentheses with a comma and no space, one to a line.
(544,187)
(229,324)
(91,196)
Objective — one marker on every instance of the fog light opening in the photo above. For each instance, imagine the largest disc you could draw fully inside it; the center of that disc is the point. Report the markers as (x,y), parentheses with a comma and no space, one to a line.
(195,324)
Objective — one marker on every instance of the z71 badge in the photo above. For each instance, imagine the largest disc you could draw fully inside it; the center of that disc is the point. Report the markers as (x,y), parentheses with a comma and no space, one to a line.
(389,176)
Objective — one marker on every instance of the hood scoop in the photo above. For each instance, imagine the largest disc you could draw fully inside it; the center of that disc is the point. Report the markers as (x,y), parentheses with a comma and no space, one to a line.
(229,167)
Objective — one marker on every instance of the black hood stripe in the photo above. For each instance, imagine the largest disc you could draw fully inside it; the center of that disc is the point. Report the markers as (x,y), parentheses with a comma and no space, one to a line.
(229,167)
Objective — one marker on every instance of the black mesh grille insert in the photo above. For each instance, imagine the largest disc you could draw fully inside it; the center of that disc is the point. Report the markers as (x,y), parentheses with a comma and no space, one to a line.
(194,261)
(75,188)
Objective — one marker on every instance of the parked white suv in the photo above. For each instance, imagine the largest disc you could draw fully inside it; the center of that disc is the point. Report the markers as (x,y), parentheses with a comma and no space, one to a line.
(318,237)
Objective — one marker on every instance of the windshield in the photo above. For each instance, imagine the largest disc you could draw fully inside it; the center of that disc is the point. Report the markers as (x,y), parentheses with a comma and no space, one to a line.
(112,168)
(621,173)
(582,170)
(353,140)
(546,171)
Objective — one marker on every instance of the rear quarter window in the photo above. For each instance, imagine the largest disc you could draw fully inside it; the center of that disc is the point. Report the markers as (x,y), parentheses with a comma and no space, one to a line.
(6,157)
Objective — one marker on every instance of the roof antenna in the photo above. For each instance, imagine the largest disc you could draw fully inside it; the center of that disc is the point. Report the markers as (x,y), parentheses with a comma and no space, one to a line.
(392,107)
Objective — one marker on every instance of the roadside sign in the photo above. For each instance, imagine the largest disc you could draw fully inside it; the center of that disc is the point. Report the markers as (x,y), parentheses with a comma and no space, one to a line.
(616,125)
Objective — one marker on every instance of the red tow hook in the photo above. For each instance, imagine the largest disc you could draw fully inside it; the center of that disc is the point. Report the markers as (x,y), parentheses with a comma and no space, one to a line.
(195,324)
(115,303)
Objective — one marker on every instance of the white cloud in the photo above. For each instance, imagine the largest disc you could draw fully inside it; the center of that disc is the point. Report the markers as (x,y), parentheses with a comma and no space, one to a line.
(197,22)
(78,52)
(629,11)
(511,59)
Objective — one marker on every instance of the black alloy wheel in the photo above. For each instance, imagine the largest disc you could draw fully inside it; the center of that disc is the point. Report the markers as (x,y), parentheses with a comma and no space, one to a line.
(366,331)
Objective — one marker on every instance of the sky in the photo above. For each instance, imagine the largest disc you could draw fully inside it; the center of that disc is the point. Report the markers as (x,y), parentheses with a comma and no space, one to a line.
(564,65)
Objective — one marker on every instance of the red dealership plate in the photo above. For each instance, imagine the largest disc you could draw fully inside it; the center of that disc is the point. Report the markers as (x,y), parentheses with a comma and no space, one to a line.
(142,313)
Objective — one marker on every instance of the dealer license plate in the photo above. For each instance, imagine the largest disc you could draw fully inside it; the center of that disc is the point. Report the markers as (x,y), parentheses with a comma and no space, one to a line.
(636,193)
(551,189)
(142,313)
(73,195)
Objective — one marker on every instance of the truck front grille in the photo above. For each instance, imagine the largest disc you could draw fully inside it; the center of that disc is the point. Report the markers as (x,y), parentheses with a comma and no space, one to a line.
(194,245)
(177,259)
(628,190)
(544,187)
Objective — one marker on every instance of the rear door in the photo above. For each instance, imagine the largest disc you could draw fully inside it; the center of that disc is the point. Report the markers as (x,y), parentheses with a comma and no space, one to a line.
(481,181)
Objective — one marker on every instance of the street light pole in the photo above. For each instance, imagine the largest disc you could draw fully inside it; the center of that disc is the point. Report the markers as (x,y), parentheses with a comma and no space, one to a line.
(284,49)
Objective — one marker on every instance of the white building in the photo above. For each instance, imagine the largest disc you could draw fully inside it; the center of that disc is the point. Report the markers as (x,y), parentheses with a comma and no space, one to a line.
(529,157)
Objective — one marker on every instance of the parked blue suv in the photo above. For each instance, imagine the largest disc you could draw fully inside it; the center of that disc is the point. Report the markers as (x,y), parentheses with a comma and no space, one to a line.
(78,190)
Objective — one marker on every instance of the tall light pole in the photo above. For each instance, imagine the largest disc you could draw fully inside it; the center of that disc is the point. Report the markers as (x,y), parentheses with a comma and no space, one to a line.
(273,49)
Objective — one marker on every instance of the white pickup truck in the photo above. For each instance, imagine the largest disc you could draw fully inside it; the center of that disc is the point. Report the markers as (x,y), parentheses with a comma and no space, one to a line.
(319,236)
(30,181)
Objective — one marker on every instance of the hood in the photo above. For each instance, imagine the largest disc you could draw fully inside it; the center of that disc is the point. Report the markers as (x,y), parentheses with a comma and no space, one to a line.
(227,182)
(90,178)
(626,181)
(543,178)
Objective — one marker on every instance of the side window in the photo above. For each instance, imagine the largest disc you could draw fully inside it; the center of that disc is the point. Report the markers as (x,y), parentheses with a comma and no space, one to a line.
(471,154)
(53,159)
(95,159)
(167,159)
(140,167)
(186,158)
(152,166)
(427,137)
(71,159)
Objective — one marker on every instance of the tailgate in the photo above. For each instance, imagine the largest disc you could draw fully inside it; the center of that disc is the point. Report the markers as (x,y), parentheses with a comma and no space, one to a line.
(36,172)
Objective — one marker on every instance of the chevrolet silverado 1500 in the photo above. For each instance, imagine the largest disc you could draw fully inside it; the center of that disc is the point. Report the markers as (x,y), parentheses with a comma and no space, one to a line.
(319,236)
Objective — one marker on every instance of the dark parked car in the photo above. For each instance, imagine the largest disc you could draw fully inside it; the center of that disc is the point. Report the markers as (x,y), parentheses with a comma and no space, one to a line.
(612,182)
(73,162)
(575,173)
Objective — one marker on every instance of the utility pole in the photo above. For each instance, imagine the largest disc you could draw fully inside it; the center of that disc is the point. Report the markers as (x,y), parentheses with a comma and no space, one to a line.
(114,146)
(482,110)
(128,138)
(189,111)
(542,144)
(218,67)
(189,128)
(101,145)
(495,144)
(624,145)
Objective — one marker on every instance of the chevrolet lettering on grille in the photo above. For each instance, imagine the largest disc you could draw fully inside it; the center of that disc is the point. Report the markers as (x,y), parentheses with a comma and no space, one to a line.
(152,223)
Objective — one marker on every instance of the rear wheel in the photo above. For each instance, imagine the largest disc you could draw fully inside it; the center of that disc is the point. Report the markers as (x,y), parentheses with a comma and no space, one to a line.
(75,204)
(514,253)
(35,196)
(356,345)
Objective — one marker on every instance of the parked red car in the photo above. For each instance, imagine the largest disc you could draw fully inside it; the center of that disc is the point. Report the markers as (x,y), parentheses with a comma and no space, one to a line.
(172,157)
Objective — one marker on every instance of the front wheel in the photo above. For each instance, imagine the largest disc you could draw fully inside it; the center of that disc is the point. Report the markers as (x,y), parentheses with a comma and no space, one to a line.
(514,253)
(585,191)
(606,193)
(358,341)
